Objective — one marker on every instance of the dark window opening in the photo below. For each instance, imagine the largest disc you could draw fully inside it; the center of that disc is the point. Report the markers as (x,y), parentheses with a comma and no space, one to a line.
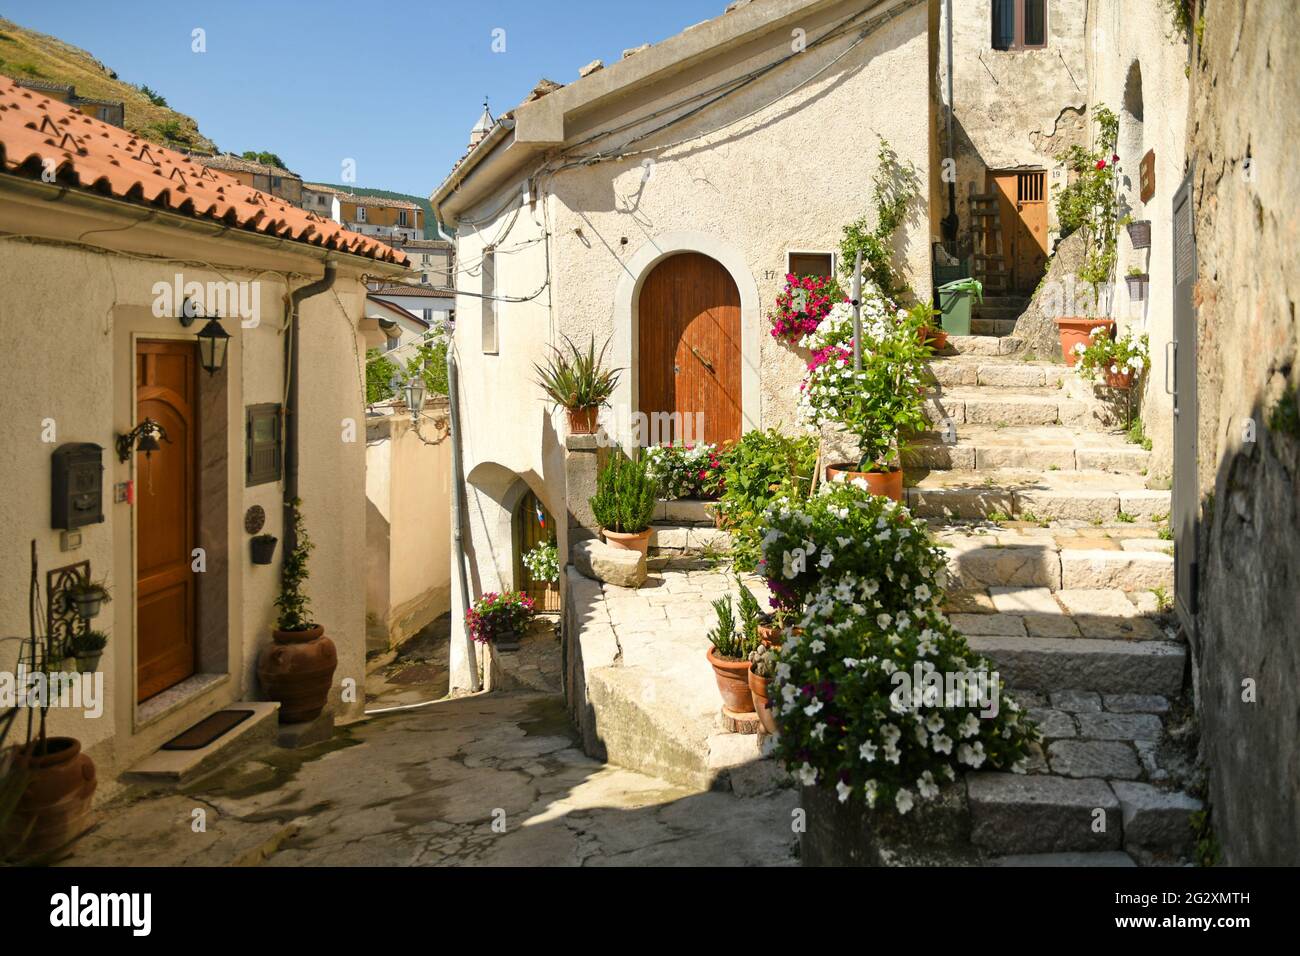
(262,453)
(811,263)
(1019,24)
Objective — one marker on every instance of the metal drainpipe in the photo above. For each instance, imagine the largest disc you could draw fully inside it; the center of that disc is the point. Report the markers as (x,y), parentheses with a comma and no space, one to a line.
(950,221)
(323,284)
(457,493)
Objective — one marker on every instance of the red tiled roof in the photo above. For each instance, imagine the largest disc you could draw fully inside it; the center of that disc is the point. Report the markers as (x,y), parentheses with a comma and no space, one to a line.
(105,159)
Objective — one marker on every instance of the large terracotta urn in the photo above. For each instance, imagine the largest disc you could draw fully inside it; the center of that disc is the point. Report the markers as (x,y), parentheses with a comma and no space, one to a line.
(297,669)
(1077,330)
(888,484)
(55,805)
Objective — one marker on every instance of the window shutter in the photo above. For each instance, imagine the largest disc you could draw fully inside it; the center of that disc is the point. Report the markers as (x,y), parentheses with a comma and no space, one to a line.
(263,453)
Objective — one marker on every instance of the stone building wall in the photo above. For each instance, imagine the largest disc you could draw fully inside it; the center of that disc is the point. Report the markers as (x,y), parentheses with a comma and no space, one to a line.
(1242,128)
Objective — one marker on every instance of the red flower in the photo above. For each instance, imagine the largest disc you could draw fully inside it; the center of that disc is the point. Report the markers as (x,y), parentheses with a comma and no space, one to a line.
(1101,164)
(1115,158)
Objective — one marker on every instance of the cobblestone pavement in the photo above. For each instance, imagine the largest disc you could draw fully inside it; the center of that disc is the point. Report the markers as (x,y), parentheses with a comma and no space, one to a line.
(488,780)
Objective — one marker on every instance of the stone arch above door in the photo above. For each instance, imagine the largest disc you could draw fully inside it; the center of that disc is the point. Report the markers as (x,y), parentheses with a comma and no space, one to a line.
(623,345)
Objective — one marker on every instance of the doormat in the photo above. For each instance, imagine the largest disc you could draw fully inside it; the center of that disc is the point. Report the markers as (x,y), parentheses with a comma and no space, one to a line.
(207,730)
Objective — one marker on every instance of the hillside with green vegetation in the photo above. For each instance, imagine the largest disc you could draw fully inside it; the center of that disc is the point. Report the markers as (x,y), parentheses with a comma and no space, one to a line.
(28,55)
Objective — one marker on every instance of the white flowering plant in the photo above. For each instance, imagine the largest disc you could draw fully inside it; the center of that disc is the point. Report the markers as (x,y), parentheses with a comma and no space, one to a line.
(689,470)
(885,399)
(845,530)
(543,562)
(1105,355)
(885,704)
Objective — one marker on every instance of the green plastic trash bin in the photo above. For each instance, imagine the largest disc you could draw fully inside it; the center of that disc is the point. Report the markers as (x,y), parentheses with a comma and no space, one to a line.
(955,302)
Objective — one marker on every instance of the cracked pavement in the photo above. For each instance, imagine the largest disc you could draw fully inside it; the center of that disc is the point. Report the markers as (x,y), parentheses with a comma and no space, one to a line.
(494,779)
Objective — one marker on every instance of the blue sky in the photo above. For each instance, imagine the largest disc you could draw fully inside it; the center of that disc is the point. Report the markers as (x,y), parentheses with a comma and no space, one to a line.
(394,85)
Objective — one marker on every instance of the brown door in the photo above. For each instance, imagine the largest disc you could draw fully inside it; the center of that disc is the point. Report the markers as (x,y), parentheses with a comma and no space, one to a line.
(688,321)
(1022,205)
(166,492)
(533,526)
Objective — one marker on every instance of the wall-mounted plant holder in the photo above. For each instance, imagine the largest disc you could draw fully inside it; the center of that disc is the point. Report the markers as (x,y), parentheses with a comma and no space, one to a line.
(1139,234)
(1137,286)
(63,613)
(263,547)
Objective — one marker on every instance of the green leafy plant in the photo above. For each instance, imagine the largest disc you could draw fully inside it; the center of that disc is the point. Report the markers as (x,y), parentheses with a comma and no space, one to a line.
(294,605)
(86,643)
(430,364)
(1124,517)
(751,614)
(87,590)
(157,99)
(687,470)
(1103,354)
(380,374)
(263,157)
(1284,418)
(626,495)
(1137,434)
(494,616)
(577,379)
(728,643)
(760,468)
(893,187)
(1088,202)
(543,562)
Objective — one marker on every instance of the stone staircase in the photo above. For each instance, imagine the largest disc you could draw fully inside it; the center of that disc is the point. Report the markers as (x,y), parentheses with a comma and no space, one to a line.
(1061,570)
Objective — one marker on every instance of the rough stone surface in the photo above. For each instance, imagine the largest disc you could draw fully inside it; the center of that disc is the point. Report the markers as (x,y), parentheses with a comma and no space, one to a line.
(602,562)
(1093,758)
(1124,570)
(1077,701)
(1070,860)
(1136,704)
(1054,724)
(1105,726)
(1024,600)
(1012,813)
(1111,667)
(1155,818)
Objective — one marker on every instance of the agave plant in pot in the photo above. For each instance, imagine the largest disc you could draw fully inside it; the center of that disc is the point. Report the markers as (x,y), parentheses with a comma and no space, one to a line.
(877,403)
(297,668)
(578,382)
(624,503)
(728,655)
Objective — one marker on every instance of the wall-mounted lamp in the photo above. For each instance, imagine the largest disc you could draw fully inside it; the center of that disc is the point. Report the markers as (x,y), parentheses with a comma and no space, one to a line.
(144,437)
(213,340)
(414,390)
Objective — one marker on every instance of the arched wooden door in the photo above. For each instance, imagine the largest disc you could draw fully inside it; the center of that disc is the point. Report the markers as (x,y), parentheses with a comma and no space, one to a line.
(688,336)
(533,526)
(166,390)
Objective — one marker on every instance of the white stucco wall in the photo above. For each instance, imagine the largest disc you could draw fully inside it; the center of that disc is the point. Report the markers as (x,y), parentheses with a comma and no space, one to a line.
(68,321)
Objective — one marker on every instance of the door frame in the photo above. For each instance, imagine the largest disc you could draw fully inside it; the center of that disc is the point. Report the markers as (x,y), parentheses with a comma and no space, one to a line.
(1015,282)
(135,339)
(1184,511)
(626,332)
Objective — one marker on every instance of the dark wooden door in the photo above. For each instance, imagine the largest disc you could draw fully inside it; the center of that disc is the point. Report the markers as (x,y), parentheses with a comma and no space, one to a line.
(166,494)
(533,526)
(688,362)
(1022,206)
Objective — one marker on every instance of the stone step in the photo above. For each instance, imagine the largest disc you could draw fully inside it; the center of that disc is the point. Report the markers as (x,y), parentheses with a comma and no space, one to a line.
(995,325)
(1039,448)
(169,769)
(1036,610)
(1047,565)
(982,344)
(964,404)
(1103,666)
(674,540)
(684,512)
(991,373)
(1083,495)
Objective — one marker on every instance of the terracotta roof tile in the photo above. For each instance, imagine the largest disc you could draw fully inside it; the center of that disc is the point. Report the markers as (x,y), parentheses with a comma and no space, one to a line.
(111,161)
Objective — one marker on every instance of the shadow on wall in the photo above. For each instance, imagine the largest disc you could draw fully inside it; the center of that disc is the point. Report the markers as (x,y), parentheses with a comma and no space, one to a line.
(1247,644)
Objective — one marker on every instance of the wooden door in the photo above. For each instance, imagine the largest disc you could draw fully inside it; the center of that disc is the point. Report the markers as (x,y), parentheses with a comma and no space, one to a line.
(533,526)
(166,495)
(1022,204)
(688,320)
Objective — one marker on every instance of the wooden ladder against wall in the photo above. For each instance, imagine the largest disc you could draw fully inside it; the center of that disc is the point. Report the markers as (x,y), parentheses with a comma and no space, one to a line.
(989,260)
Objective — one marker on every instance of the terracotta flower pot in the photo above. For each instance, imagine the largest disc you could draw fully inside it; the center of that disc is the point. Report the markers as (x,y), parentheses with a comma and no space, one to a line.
(886,483)
(762,703)
(297,670)
(936,338)
(733,683)
(628,540)
(1121,379)
(770,635)
(582,421)
(55,805)
(1076,330)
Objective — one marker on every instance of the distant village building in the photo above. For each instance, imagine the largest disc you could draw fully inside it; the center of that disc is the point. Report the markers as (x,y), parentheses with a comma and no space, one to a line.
(433,305)
(107,111)
(268,179)
(432,261)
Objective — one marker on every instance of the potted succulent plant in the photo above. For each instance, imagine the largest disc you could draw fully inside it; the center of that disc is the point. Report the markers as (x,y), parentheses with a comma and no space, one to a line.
(1137,284)
(87,647)
(87,597)
(578,382)
(500,619)
(877,404)
(728,655)
(762,668)
(263,547)
(624,503)
(297,668)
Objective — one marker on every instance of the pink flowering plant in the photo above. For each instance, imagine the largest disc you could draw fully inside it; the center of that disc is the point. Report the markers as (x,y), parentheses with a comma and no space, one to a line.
(883,703)
(802,304)
(495,616)
(687,470)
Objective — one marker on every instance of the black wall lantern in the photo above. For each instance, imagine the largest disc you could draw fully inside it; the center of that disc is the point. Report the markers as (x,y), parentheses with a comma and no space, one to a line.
(213,340)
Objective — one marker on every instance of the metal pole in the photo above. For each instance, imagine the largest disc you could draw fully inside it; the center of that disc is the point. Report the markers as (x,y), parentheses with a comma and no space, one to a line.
(856,296)
(458,544)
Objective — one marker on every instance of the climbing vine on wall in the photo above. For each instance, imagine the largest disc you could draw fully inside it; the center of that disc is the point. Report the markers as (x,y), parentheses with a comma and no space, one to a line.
(1089,202)
(893,188)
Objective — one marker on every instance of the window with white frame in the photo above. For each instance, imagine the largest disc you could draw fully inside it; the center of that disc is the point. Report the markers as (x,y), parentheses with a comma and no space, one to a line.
(401,217)
(361,214)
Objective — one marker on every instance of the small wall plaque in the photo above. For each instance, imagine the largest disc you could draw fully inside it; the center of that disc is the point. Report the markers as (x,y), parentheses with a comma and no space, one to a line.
(254,519)
(1147,176)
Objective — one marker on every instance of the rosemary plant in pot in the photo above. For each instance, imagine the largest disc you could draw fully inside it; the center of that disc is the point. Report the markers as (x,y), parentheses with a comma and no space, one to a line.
(579,382)
(624,502)
(728,655)
(297,668)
